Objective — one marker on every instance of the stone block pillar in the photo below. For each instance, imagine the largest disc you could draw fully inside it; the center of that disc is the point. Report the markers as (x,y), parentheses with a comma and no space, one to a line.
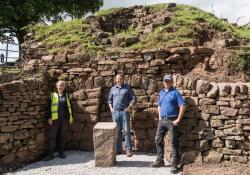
(105,137)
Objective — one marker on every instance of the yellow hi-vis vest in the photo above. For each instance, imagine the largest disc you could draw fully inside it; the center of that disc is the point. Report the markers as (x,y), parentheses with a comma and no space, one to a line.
(54,107)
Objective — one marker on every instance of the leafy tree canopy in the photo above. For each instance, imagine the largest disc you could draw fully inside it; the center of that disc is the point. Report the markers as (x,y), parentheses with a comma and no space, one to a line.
(16,14)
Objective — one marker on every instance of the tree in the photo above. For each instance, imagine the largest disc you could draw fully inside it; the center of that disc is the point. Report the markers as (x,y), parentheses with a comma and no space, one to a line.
(16,14)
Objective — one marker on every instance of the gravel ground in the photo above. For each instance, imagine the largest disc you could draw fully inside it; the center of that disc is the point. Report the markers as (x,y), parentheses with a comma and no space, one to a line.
(82,163)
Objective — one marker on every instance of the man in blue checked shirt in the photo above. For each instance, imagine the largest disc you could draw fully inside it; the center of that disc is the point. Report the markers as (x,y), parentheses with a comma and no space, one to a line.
(120,100)
(171,108)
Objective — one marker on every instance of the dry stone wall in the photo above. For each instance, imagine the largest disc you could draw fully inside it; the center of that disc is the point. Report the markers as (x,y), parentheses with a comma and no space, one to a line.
(216,124)
(22,118)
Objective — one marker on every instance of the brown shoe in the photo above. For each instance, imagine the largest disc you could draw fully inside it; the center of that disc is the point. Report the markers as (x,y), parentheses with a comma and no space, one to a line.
(129,153)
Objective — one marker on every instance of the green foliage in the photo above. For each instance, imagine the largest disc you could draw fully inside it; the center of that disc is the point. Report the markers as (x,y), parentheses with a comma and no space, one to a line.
(240,61)
(129,31)
(64,36)
(12,70)
(107,12)
(185,27)
(156,7)
(16,14)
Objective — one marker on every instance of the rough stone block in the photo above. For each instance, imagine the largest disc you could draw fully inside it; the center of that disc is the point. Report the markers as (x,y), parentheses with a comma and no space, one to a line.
(105,137)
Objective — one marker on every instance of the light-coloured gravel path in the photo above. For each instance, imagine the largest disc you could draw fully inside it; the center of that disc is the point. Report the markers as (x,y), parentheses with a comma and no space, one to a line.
(82,163)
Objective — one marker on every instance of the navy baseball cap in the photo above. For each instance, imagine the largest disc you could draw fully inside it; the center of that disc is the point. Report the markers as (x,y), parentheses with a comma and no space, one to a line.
(168,77)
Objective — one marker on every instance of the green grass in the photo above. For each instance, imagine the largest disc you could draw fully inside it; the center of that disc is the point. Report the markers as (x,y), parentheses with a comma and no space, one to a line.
(66,36)
(107,12)
(9,70)
(186,26)
(240,61)
(156,7)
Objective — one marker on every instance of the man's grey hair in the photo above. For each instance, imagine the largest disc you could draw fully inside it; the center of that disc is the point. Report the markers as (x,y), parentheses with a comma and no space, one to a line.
(61,82)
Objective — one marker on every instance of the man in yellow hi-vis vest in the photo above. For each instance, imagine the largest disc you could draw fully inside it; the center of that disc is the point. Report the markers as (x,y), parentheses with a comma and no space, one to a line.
(59,119)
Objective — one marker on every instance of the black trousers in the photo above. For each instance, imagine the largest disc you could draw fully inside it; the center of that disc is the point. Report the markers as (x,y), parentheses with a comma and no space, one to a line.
(165,125)
(58,130)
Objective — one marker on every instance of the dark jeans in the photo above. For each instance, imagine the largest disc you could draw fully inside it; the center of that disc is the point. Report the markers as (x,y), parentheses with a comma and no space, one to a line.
(165,125)
(58,130)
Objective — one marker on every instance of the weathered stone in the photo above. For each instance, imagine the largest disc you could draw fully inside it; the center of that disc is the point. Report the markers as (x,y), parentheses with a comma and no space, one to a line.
(91,109)
(180,50)
(5,137)
(7,159)
(157,62)
(202,87)
(203,50)
(246,145)
(230,144)
(175,57)
(129,40)
(229,112)
(213,157)
(136,81)
(233,131)
(191,157)
(60,59)
(209,109)
(243,121)
(30,66)
(217,143)
(244,111)
(148,56)
(21,134)
(107,73)
(205,116)
(47,59)
(105,137)
(213,92)
(233,137)
(236,104)
(80,95)
(98,82)
(224,89)
(116,41)
(104,62)
(207,101)
(222,103)
(203,145)
(232,151)
(161,55)
(9,128)
(246,128)
(216,123)
(209,135)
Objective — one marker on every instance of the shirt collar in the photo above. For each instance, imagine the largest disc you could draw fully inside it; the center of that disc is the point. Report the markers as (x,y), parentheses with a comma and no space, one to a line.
(117,86)
(167,90)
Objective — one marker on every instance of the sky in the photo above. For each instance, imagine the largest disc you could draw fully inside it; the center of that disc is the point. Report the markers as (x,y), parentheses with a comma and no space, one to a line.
(230,9)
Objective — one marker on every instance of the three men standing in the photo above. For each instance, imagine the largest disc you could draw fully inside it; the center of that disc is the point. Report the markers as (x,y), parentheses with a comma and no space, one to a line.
(171,108)
(120,100)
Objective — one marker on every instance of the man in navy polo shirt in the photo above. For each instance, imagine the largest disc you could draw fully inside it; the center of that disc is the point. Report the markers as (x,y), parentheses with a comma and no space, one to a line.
(171,108)
(120,100)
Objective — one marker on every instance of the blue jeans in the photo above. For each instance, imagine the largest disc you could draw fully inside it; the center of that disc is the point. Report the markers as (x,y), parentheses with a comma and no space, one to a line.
(122,119)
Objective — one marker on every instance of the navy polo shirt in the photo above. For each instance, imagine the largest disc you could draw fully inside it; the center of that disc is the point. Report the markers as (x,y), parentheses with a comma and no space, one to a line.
(169,102)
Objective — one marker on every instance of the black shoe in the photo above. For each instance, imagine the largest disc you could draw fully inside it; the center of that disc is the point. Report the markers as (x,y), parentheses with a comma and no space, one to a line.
(157,163)
(49,157)
(62,155)
(174,169)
